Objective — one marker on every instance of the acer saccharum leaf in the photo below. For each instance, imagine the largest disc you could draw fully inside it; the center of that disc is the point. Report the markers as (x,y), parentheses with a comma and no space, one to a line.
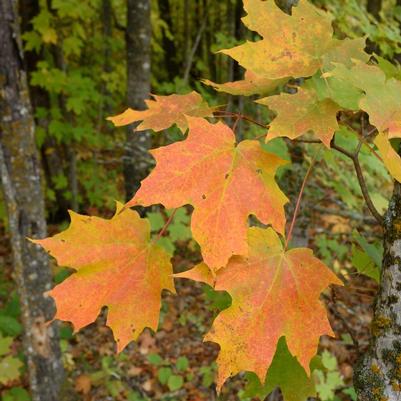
(275,320)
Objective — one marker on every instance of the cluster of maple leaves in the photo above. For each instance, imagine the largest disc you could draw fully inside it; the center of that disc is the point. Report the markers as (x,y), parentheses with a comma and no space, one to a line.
(275,291)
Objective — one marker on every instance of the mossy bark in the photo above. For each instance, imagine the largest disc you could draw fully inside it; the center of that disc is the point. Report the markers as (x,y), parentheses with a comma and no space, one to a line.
(378,374)
(20,178)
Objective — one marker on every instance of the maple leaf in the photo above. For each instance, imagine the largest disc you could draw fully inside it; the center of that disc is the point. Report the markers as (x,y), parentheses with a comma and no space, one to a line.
(345,95)
(381,99)
(391,158)
(274,293)
(165,111)
(225,183)
(297,114)
(200,273)
(116,266)
(291,45)
(252,84)
(284,372)
(345,51)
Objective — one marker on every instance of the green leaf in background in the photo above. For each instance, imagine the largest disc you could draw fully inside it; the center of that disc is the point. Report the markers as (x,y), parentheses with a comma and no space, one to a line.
(156,220)
(329,361)
(5,344)
(164,374)
(16,394)
(9,326)
(155,359)
(364,264)
(351,392)
(285,372)
(367,259)
(375,252)
(328,378)
(166,244)
(208,374)
(175,382)
(182,363)
(9,369)
(219,300)
(327,384)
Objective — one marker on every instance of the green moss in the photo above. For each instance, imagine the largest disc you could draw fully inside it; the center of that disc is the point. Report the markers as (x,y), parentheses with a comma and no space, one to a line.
(379,324)
(369,381)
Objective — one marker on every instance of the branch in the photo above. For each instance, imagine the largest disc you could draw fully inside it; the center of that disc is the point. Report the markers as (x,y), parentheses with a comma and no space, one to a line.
(191,55)
(298,204)
(362,183)
(164,229)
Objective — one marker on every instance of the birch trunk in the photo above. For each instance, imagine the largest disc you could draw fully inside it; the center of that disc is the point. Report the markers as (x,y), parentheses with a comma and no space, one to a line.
(20,177)
(138,37)
(378,375)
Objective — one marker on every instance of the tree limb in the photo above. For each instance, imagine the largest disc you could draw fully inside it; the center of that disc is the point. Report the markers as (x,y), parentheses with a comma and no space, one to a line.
(362,183)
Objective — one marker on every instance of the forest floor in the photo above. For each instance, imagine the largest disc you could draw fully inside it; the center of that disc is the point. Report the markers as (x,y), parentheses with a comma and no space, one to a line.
(175,364)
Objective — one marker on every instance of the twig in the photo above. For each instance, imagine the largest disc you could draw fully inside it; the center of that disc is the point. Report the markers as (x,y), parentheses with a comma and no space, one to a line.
(236,122)
(362,183)
(224,114)
(194,48)
(164,229)
(298,204)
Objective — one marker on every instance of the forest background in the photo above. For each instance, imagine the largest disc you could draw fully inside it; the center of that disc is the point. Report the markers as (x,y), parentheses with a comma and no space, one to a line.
(87,60)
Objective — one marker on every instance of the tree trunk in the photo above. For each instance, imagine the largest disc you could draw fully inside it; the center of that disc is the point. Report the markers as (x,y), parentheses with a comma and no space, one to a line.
(378,374)
(20,176)
(374,7)
(138,37)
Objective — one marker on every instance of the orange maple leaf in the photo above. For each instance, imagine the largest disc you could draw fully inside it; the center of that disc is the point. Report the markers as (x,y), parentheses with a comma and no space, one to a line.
(116,266)
(165,111)
(225,183)
(274,293)
(291,45)
(252,84)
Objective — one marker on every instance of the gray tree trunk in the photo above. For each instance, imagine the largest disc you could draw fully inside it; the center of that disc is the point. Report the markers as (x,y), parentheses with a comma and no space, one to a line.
(20,177)
(378,374)
(138,37)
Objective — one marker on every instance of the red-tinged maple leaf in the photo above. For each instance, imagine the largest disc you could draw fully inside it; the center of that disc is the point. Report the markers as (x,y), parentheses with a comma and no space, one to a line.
(252,84)
(118,266)
(225,183)
(165,111)
(291,45)
(274,293)
(297,114)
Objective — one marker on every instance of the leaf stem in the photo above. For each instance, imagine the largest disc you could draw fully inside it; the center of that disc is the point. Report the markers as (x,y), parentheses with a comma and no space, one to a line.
(298,204)
(240,116)
(164,229)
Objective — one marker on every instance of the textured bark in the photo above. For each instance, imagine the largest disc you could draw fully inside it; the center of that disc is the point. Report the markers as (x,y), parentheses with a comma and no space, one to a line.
(20,177)
(378,375)
(138,37)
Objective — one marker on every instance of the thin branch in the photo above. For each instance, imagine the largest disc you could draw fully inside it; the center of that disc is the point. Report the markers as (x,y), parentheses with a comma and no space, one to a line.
(361,179)
(298,204)
(191,54)
(225,114)
(164,229)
